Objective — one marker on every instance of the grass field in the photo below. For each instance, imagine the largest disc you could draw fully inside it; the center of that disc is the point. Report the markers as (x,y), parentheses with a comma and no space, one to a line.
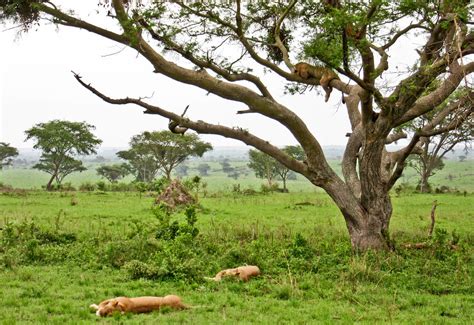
(57,258)
(456,175)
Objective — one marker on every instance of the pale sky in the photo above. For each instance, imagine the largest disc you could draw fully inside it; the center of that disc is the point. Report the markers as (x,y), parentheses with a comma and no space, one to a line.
(37,85)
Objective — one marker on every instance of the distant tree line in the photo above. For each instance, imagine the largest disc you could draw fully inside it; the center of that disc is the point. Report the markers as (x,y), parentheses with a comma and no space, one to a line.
(151,153)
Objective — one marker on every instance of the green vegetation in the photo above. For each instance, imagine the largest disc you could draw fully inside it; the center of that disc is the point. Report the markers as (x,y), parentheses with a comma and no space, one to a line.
(61,252)
(60,141)
(163,151)
(456,175)
(6,154)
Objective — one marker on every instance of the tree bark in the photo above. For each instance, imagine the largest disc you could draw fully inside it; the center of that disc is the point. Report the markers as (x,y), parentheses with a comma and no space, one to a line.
(168,174)
(370,231)
(49,186)
(424,184)
(368,228)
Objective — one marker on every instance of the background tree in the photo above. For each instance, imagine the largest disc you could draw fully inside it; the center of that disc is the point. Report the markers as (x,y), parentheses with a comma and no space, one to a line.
(226,166)
(284,172)
(432,149)
(203,169)
(161,150)
(113,173)
(353,38)
(140,161)
(6,154)
(263,165)
(182,170)
(60,141)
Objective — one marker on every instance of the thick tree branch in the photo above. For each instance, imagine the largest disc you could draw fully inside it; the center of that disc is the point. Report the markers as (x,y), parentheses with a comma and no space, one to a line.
(238,29)
(206,128)
(394,137)
(67,20)
(206,63)
(436,97)
(401,158)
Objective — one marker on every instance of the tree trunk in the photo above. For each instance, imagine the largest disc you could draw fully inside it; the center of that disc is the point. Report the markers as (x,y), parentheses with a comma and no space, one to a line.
(371,232)
(424,184)
(168,174)
(49,186)
(367,222)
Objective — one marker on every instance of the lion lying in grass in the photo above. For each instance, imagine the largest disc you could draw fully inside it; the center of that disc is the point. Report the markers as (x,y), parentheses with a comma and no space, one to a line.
(137,305)
(244,273)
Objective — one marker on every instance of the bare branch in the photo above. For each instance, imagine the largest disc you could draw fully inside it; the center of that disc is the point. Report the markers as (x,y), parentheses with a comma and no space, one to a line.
(402,156)
(206,128)
(402,33)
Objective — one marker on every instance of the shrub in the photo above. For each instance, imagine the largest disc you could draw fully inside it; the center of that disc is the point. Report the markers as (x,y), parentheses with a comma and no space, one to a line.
(87,187)
(169,230)
(122,187)
(102,186)
(265,189)
(158,185)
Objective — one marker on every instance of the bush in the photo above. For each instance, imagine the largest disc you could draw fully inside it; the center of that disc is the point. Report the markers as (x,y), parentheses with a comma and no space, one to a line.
(122,187)
(404,188)
(180,259)
(87,187)
(168,230)
(265,189)
(25,243)
(102,186)
(158,185)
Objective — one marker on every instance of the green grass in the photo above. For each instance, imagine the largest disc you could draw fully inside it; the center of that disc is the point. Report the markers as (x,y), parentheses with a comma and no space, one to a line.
(456,175)
(60,258)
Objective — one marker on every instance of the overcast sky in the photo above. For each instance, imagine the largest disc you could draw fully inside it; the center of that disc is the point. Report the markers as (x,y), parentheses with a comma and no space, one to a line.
(37,85)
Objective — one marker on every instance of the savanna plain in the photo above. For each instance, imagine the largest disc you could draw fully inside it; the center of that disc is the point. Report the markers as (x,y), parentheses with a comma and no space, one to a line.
(62,251)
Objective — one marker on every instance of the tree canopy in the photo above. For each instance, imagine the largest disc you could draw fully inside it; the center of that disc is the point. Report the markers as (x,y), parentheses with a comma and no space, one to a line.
(60,141)
(263,165)
(161,150)
(226,48)
(113,172)
(6,154)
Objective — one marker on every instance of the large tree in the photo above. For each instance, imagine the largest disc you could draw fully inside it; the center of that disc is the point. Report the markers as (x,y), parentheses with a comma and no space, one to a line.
(161,150)
(221,45)
(6,154)
(60,141)
(264,166)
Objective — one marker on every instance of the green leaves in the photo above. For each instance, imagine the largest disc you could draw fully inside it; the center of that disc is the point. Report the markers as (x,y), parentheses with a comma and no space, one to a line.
(60,141)
(6,153)
(113,172)
(20,11)
(161,150)
(64,137)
